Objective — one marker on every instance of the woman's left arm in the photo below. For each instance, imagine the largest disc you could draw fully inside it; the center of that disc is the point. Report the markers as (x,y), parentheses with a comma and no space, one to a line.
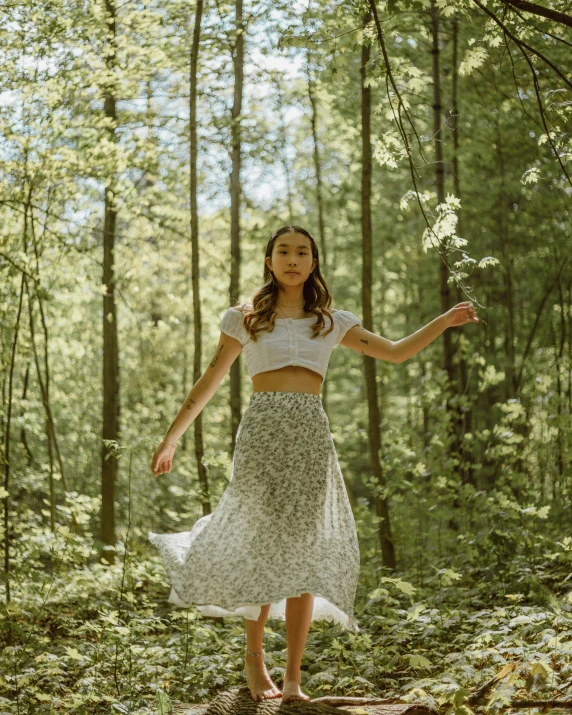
(368,343)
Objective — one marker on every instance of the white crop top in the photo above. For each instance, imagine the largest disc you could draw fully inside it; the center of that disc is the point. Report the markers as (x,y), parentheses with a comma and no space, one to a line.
(290,343)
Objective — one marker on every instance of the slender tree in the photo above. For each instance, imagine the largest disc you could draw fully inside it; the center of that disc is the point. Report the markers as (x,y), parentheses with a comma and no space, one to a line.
(7,425)
(440,178)
(195,266)
(374,416)
(324,253)
(464,412)
(110,422)
(235,201)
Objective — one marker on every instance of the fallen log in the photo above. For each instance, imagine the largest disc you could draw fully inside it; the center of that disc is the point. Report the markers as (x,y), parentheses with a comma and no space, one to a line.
(338,701)
(238,701)
(540,704)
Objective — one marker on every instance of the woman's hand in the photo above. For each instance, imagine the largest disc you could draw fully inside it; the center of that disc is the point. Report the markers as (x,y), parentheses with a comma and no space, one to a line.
(460,314)
(163,458)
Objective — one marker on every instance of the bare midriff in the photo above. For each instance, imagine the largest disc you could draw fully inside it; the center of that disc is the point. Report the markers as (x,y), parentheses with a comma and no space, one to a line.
(292,378)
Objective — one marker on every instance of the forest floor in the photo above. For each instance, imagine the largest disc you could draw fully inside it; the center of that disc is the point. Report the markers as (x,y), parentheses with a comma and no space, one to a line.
(81,636)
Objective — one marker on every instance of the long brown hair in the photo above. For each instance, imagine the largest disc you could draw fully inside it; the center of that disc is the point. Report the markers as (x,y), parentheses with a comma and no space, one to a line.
(260,314)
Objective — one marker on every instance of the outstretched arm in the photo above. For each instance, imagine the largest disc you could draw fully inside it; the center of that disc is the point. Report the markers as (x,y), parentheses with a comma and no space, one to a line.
(227,351)
(368,343)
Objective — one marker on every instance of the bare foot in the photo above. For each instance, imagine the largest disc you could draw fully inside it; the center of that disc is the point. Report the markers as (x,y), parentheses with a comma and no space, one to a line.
(291,691)
(259,682)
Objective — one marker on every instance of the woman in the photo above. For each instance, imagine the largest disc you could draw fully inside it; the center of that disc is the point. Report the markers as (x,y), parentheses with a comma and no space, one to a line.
(282,540)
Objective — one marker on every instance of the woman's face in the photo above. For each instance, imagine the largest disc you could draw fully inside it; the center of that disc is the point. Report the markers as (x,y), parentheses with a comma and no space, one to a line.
(291,260)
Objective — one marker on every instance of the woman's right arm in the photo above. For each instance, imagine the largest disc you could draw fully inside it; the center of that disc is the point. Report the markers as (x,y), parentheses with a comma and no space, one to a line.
(226,352)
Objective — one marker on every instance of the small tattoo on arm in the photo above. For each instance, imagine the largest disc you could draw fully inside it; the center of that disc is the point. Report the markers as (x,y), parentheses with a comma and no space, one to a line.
(363,340)
(170,428)
(190,403)
(216,357)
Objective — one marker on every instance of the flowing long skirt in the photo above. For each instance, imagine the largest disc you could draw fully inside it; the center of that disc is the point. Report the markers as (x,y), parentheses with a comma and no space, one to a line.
(283,527)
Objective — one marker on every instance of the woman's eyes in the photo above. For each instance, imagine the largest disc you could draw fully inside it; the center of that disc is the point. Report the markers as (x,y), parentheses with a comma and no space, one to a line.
(303,253)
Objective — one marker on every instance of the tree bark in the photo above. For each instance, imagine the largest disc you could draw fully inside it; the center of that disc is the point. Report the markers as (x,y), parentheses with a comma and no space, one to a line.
(559,477)
(195,267)
(452,398)
(503,229)
(440,180)
(6,498)
(319,197)
(238,700)
(235,196)
(463,414)
(53,445)
(374,416)
(110,423)
(44,384)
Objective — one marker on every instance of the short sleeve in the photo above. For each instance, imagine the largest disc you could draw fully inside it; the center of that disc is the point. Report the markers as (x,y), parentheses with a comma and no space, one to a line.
(231,324)
(344,321)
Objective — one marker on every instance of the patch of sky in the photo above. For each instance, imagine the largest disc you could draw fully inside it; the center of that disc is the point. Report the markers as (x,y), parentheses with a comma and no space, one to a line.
(263,183)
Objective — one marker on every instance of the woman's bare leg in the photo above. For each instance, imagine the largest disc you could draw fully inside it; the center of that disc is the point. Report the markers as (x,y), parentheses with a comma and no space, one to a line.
(259,682)
(298,618)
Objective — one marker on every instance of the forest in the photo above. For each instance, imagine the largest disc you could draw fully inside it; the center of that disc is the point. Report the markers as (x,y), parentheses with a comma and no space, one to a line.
(148,150)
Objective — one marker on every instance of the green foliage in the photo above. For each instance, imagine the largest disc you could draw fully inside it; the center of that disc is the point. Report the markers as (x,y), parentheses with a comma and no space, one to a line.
(84,636)
(480,508)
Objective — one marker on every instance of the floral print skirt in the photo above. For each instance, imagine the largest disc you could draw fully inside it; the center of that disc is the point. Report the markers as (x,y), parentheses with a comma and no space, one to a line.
(283,527)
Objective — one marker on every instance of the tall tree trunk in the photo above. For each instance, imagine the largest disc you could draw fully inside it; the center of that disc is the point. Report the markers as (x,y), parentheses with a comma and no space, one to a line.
(110,424)
(235,195)
(463,415)
(559,477)
(374,416)
(502,218)
(569,313)
(423,371)
(44,383)
(50,429)
(8,534)
(319,199)
(452,401)
(316,156)
(440,180)
(195,267)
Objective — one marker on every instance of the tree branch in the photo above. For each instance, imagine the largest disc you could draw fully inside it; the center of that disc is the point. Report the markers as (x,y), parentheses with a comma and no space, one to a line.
(522,44)
(553,15)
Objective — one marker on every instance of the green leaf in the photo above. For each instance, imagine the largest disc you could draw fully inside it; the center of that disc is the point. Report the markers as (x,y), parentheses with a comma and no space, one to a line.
(448,576)
(415,612)
(403,586)
(473,58)
(73,653)
(419,661)
(460,696)
(164,704)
